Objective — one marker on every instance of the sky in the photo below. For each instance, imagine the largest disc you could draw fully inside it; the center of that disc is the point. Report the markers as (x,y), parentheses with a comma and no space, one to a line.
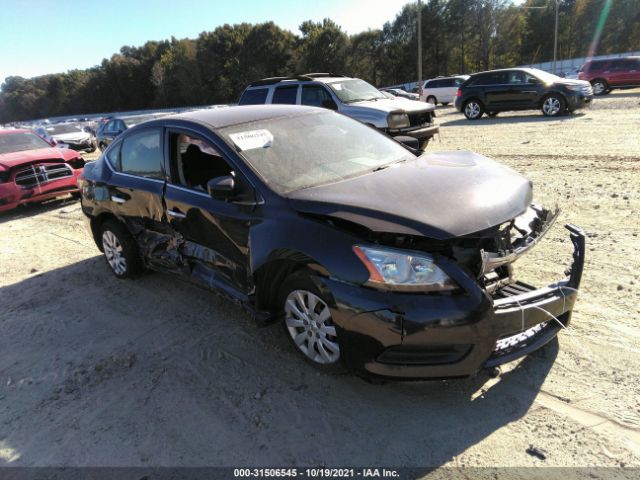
(44,36)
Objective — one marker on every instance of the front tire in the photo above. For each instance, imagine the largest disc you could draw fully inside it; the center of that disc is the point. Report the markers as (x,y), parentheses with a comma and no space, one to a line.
(432,99)
(308,322)
(120,250)
(553,105)
(599,86)
(473,109)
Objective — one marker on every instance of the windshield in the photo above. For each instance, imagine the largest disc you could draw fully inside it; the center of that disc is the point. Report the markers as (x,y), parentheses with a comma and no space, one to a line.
(62,129)
(312,149)
(20,141)
(544,76)
(357,90)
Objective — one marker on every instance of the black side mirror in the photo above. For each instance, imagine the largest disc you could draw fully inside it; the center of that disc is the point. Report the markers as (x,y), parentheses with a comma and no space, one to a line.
(330,104)
(411,142)
(222,188)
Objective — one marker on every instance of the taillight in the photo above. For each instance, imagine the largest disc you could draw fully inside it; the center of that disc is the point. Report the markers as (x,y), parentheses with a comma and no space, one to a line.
(459,93)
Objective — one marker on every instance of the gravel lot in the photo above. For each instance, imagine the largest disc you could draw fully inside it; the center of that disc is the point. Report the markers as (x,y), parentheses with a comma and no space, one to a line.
(100,372)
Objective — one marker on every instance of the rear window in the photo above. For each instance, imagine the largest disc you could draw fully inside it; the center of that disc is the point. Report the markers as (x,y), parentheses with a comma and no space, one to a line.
(257,96)
(286,95)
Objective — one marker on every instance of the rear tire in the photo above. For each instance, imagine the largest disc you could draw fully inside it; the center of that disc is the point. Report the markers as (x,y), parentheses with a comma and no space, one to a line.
(308,322)
(473,109)
(444,104)
(120,249)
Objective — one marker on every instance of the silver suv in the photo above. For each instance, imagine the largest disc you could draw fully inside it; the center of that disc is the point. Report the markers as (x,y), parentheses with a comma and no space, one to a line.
(352,97)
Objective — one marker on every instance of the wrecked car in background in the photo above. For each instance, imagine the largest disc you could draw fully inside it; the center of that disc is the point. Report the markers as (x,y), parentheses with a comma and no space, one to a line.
(31,170)
(67,135)
(371,255)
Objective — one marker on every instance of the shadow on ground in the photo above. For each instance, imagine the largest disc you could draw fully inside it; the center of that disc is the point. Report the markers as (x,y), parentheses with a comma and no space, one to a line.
(98,371)
(31,209)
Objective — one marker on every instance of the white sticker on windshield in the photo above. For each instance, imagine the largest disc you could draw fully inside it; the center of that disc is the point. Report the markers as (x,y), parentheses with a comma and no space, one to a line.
(252,139)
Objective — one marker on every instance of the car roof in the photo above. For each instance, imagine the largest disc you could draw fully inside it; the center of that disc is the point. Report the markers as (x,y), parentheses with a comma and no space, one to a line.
(236,115)
(521,69)
(307,77)
(446,77)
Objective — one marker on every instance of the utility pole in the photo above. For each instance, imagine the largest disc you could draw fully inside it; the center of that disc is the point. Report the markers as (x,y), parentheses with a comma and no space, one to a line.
(555,36)
(555,39)
(419,47)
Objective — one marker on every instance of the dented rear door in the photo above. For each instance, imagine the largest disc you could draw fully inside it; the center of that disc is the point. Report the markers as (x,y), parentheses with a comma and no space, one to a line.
(135,189)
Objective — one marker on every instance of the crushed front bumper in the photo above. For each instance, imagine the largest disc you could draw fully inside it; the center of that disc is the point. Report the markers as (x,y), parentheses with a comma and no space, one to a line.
(409,336)
(529,318)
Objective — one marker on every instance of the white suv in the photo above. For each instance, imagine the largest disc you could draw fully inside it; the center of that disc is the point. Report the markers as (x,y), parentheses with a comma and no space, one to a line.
(442,89)
(353,97)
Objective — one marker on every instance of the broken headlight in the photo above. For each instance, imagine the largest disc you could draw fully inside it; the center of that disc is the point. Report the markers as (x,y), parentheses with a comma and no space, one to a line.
(398,120)
(396,270)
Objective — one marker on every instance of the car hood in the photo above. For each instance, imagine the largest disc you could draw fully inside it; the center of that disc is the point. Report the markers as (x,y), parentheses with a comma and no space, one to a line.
(393,105)
(570,81)
(13,159)
(439,195)
(71,137)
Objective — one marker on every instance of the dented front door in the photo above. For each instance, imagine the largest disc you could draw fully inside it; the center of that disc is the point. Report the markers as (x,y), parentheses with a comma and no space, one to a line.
(214,236)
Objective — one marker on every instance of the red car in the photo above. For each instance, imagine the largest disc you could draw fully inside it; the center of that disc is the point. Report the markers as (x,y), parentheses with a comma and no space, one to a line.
(605,75)
(31,170)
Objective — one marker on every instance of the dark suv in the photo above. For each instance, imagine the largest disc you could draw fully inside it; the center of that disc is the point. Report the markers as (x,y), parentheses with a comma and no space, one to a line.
(521,89)
(605,75)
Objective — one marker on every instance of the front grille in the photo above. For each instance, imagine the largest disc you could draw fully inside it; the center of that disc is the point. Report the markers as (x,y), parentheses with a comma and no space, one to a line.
(419,119)
(42,173)
(513,289)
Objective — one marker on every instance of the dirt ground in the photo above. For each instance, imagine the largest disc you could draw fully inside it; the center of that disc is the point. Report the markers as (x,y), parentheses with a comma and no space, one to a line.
(100,372)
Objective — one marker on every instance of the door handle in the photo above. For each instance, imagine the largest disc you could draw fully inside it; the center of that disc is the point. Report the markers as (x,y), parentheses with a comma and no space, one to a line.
(117,199)
(174,214)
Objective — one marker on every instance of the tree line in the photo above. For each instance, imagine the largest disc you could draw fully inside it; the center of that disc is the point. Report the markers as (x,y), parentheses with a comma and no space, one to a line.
(458,36)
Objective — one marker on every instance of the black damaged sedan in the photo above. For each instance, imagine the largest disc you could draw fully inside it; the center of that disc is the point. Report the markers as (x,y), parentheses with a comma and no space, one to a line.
(372,255)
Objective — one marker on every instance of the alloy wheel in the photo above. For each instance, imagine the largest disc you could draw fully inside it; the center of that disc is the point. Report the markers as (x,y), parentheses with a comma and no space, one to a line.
(308,321)
(598,88)
(472,110)
(113,252)
(551,106)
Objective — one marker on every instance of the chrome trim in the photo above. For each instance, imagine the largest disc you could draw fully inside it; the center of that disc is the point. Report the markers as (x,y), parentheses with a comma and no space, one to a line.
(175,214)
(116,199)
